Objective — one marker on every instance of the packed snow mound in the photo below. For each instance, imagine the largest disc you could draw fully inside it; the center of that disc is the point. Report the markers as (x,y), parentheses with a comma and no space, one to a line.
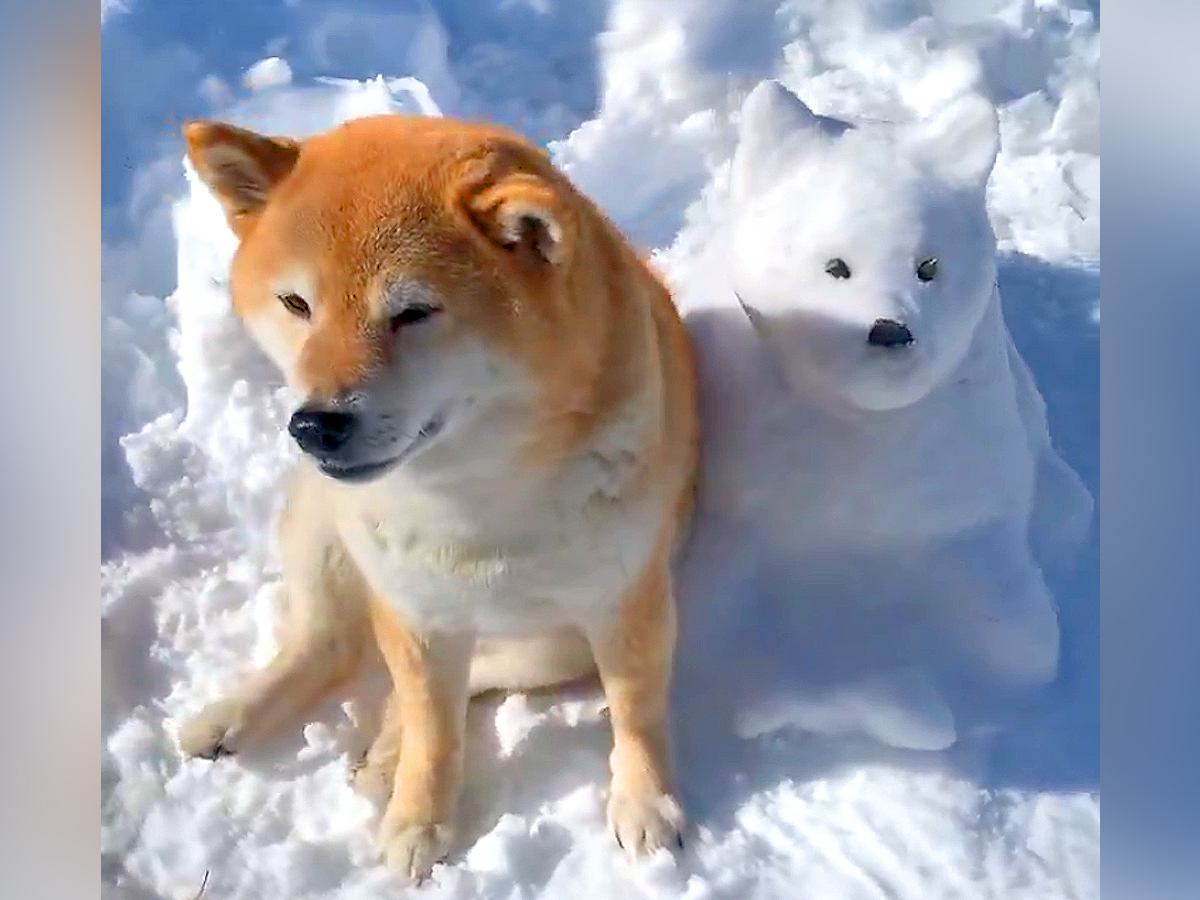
(267,73)
(872,440)
(643,99)
(673,76)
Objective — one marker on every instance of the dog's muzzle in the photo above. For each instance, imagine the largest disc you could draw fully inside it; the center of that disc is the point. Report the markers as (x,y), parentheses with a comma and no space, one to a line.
(321,432)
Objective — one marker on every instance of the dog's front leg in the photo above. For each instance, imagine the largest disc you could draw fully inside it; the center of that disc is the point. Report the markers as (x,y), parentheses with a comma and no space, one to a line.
(323,631)
(430,677)
(633,652)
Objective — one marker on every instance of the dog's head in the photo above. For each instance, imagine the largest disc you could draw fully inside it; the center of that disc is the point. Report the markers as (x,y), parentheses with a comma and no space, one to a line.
(863,254)
(412,277)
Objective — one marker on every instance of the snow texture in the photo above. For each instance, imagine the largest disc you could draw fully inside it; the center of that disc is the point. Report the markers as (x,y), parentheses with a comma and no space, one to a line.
(267,73)
(859,708)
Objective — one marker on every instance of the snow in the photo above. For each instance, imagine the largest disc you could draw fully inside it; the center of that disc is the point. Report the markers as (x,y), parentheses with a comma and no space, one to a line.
(267,73)
(112,8)
(814,758)
(869,510)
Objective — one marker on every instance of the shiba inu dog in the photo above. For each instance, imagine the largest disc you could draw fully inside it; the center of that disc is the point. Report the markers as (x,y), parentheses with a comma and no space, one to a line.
(495,404)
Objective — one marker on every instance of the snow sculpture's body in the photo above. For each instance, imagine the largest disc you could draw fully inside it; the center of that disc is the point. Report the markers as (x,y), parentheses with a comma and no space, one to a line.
(876,449)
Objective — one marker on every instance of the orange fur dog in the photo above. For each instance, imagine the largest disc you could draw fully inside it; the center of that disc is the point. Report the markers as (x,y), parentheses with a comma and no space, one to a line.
(495,401)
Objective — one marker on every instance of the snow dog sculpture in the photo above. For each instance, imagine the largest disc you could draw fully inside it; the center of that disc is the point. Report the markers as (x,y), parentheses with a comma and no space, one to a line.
(879,483)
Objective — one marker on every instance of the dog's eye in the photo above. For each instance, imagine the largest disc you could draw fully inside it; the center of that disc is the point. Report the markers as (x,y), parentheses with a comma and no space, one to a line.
(927,269)
(411,315)
(295,304)
(837,268)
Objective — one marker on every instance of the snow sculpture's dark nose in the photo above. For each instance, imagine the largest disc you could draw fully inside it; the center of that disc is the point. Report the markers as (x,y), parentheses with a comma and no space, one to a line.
(889,333)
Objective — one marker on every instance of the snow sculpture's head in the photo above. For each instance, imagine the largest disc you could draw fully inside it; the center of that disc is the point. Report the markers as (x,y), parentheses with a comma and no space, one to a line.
(863,255)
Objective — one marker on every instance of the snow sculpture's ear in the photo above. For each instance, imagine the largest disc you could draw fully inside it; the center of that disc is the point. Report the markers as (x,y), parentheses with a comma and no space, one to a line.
(240,167)
(775,125)
(959,143)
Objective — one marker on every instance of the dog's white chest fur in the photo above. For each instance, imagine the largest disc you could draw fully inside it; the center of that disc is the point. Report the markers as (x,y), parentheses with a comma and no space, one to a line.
(531,554)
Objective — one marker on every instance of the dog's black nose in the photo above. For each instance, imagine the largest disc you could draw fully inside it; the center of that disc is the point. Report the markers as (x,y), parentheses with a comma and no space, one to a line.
(320,431)
(889,333)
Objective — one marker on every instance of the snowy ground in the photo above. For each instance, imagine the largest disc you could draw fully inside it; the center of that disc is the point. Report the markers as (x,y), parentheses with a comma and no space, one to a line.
(636,99)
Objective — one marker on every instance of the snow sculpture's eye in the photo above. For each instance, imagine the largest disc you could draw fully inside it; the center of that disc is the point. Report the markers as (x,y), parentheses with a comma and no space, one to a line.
(927,269)
(837,268)
(295,304)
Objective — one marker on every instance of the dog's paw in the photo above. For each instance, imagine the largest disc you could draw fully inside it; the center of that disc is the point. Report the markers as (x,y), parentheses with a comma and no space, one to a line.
(644,822)
(213,731)
(372,777)
(412,850)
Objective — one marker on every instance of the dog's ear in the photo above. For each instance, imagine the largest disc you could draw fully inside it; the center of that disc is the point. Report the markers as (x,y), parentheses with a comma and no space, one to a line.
(240,167)
(527,215)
